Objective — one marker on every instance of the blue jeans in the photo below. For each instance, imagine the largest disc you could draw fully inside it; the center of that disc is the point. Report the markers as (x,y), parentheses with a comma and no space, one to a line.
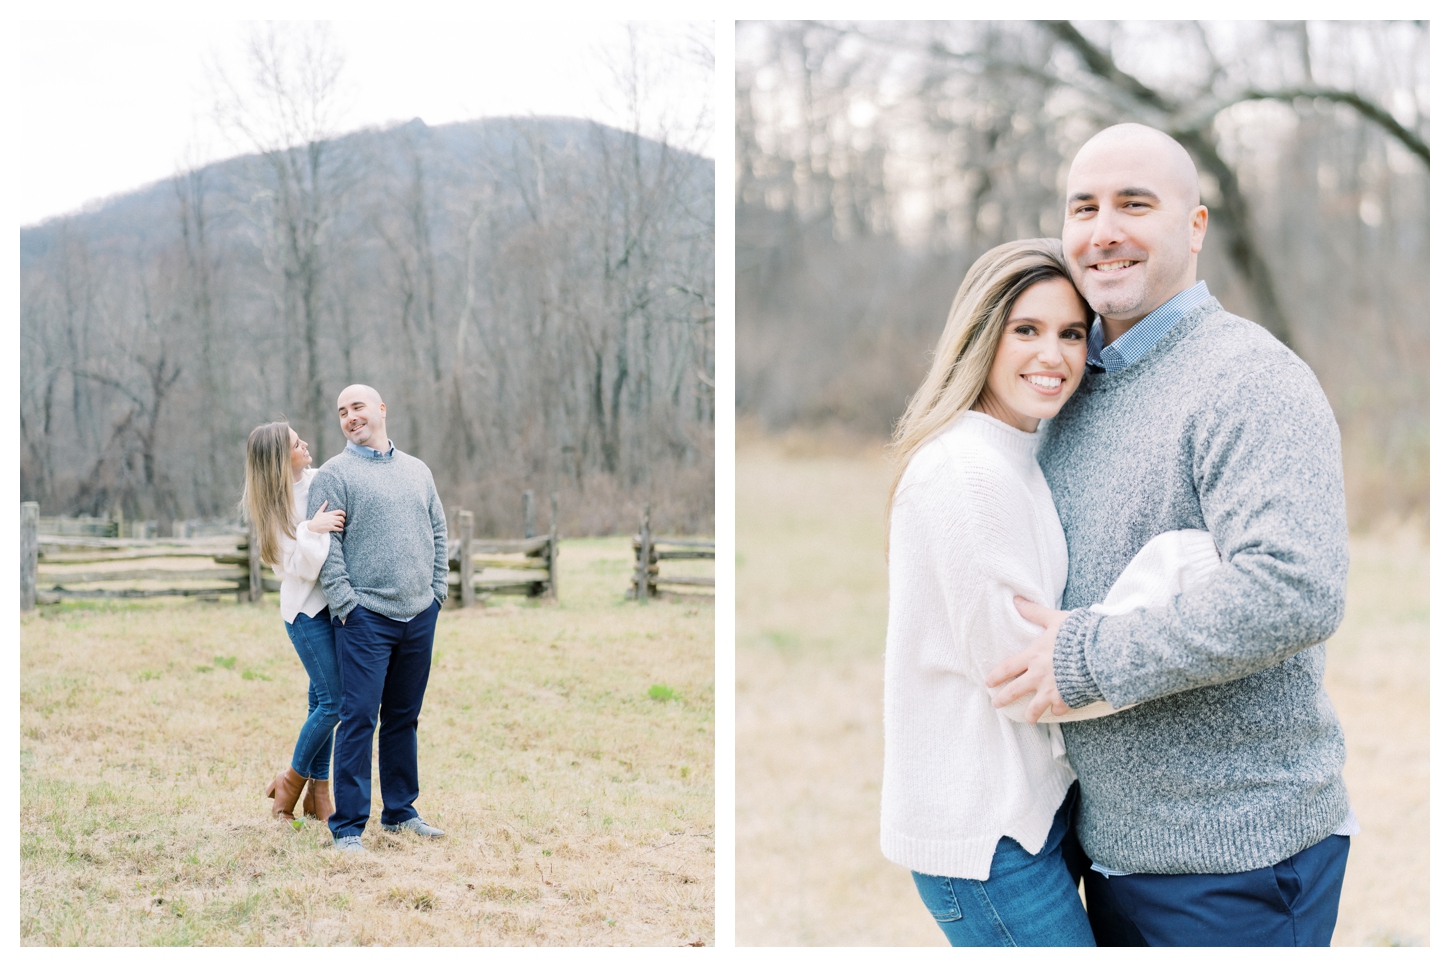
(1293,903)
(384,665)
(312,637)
(1026,900)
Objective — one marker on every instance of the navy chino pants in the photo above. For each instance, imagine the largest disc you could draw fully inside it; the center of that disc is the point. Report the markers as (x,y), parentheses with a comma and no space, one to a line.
(1293,903)
(384,665)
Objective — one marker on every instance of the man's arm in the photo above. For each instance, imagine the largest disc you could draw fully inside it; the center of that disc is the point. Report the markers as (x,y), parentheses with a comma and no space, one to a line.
(1271,489)
(440,546)
(336,585)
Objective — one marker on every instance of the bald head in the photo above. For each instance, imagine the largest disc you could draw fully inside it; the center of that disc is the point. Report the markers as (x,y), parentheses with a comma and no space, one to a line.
(1146,145)
(1134,225)
(364,416)
(359,391)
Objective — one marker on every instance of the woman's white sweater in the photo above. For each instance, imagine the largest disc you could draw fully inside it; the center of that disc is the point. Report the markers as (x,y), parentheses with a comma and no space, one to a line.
(972,526)
(301,558)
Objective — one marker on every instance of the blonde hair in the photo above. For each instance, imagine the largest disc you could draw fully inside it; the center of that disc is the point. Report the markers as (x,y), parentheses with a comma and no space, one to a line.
(968,345)
(267,495)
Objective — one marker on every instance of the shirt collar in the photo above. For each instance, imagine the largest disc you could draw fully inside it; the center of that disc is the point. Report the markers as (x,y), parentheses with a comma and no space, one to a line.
(369,452)
(1144,334)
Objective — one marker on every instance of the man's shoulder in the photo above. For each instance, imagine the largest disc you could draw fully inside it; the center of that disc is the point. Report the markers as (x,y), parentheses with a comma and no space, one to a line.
(1225,342)
(411,462)
(333,468)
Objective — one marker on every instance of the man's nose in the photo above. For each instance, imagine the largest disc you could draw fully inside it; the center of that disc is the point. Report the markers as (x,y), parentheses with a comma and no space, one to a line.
(1107,229)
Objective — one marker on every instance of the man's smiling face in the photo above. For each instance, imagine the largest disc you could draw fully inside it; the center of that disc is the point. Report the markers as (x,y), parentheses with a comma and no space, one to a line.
(1134,226)
(363,416)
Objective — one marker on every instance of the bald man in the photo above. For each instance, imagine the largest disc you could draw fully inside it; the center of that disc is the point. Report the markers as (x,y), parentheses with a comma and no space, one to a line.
(1213,811)
(385,577)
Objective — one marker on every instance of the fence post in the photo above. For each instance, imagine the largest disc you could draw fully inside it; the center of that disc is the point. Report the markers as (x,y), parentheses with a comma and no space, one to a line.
(554,546)
(465,557)
(254,565)
(29,552)
(641,576)
(528,514)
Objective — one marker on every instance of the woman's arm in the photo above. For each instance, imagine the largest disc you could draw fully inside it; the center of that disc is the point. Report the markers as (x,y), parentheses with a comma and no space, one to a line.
(302,557)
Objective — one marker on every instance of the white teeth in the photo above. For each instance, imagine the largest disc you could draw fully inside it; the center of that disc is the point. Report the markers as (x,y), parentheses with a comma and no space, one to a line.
(1113,266)
(1048,382)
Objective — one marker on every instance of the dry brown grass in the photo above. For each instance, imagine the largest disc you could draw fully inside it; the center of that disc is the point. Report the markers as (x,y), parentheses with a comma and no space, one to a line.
(810,632)
(578,809)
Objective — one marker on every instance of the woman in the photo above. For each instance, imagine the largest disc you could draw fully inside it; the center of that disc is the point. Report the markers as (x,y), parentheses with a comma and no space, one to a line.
(976,802)
(275,500)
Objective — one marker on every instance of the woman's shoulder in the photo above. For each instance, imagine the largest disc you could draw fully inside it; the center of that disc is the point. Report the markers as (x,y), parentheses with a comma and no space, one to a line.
(963,467)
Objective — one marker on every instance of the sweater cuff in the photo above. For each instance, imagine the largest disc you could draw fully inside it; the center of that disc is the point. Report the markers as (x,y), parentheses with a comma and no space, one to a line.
(1069,659)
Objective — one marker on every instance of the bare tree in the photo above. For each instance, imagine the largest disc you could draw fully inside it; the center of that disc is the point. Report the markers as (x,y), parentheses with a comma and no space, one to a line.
(288,113)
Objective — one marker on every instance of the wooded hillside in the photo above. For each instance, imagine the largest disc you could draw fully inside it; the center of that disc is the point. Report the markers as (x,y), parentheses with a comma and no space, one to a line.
(532,297)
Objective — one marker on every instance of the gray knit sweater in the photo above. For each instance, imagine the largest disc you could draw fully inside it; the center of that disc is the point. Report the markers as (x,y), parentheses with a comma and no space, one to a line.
(1233,760)
(392,557)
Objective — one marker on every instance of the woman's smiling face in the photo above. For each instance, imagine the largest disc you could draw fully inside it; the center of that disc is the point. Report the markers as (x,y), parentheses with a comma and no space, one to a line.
(301,456)
(1040,357)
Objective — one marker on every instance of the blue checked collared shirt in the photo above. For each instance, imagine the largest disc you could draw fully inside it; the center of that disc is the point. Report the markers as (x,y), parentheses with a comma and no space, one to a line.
(1144,334)
(363,451)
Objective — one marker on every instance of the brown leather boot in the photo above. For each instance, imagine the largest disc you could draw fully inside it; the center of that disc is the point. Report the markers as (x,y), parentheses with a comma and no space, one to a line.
(318,799)
(283,791)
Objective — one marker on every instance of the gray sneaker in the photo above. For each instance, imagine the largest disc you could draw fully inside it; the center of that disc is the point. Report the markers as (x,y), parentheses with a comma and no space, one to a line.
(349,844)
(415,825)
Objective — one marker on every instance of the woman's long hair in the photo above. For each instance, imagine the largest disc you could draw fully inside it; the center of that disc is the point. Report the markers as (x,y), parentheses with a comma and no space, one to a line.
(267,496)
(968,346)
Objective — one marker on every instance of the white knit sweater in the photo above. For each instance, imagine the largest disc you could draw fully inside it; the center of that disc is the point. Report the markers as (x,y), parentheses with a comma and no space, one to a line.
(972,526)
(301,558)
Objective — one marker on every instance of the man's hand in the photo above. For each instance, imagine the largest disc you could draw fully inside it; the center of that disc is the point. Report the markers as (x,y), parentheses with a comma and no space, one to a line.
(1030,670)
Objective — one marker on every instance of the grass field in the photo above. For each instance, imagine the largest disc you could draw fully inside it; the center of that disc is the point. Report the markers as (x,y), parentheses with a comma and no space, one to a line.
(810,632)
(579,809)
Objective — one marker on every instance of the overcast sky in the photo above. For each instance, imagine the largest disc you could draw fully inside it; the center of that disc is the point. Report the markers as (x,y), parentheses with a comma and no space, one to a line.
(112,106)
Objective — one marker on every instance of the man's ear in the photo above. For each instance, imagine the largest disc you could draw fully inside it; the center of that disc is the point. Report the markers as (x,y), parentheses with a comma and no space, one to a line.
(1198,228)
(383,407)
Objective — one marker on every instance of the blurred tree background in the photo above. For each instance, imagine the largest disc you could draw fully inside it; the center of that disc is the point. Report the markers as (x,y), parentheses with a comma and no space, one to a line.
(533,297)
(876,161)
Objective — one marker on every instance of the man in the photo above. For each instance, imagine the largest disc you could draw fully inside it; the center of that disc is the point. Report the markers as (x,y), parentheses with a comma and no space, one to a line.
(385,578)
(1214,812)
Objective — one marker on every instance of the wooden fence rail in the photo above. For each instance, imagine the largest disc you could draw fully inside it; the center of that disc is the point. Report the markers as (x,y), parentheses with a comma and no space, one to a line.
(78,566)
(650,550)
(479,567)
(59,561)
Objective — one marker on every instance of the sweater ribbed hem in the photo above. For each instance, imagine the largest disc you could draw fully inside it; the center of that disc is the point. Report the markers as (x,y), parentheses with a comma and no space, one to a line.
(967,858)
(1069,660)
(1213,842)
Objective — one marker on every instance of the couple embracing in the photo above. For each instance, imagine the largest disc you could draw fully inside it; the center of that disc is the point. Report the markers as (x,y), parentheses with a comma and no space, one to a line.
(361,547)
(1105,658)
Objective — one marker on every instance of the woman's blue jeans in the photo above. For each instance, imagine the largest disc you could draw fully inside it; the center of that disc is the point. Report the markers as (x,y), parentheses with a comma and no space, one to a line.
(312,637)
(1026,900)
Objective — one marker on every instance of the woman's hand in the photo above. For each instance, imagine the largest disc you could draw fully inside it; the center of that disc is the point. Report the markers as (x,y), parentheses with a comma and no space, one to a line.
(327,520)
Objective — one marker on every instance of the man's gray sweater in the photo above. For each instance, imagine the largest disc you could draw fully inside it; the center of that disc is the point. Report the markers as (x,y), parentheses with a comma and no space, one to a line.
(392,555)
(1232,761)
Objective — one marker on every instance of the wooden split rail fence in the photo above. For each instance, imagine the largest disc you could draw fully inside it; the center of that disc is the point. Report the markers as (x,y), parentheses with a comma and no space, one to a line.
(78,564)
(649,551)
(74,564)
(479,567)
